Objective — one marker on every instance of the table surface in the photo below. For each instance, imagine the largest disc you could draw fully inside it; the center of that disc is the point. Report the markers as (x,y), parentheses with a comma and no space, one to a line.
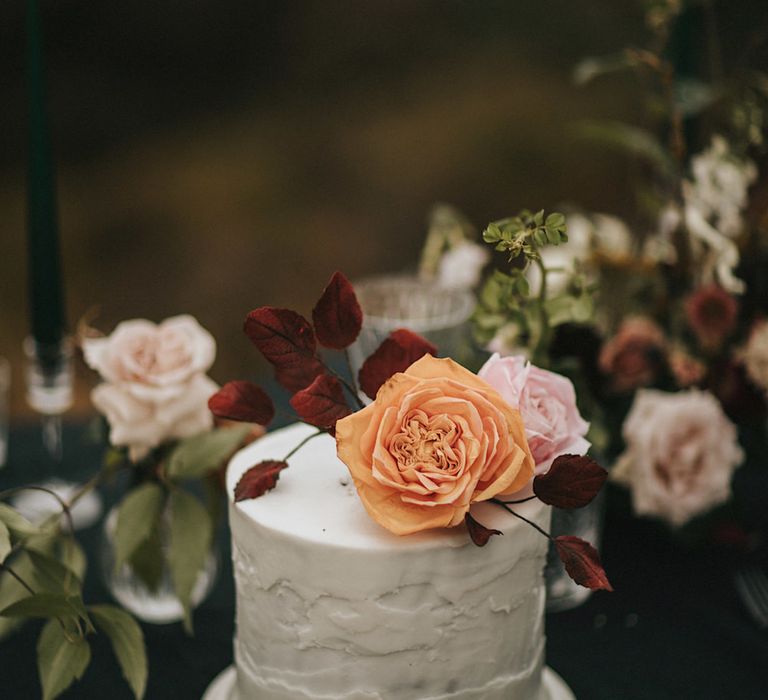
(673,629)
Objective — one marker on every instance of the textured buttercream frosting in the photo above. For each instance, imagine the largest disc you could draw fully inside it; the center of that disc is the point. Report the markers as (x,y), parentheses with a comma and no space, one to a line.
(332,606)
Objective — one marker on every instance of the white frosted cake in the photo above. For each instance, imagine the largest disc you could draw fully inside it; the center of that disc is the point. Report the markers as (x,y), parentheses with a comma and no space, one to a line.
(331,606)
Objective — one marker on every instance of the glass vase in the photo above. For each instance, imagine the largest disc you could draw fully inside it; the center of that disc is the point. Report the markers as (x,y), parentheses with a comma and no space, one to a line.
(391,302)
(563,593)
(161,605)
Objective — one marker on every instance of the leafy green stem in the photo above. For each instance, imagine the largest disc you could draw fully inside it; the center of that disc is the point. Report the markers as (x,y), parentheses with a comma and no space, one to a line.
(540,350)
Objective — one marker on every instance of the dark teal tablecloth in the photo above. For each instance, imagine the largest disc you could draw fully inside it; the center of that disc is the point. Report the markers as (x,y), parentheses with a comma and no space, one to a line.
(674,629)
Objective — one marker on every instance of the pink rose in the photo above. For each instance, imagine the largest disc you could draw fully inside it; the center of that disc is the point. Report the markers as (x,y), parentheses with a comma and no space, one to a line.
(680,456)
(155,386)
(547,404)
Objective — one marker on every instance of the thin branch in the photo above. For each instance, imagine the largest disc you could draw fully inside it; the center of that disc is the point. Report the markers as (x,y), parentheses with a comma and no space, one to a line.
(517,515)
(65,507)
(7,568)
(519,500)
(301,444)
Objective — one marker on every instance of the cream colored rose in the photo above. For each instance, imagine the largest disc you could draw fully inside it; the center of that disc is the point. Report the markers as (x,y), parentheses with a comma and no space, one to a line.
(155,387)
(436,439)
(755,355)
(681,453)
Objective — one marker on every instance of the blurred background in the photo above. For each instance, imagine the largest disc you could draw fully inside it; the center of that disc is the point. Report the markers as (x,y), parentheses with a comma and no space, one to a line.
(216,156)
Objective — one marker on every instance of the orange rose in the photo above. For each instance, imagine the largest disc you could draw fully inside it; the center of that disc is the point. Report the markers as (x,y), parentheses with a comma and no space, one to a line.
(436,439)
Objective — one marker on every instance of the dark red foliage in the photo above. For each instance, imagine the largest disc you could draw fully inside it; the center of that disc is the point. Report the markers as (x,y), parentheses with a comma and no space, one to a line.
(479,533)
(287,341)
(242,401)
(398,352)
(571,482)
(582,562)
(322,403)
(337,316)
(259,479)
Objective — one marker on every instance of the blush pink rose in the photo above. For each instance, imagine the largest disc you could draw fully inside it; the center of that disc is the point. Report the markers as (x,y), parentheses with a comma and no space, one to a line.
(547,403)
(155,385)
(680,456)
(436,439)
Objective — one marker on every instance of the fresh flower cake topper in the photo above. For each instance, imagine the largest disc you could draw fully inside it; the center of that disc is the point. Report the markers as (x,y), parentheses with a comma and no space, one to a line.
(436,438)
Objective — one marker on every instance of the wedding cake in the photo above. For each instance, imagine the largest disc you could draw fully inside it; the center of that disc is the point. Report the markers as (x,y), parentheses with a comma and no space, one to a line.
(332,606)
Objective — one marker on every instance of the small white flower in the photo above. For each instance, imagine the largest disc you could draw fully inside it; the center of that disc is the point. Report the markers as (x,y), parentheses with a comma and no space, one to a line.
(462,265)
(719,186)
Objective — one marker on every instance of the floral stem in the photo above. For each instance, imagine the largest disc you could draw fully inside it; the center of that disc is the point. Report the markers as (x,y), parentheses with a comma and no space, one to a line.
(519,500)
(352,379)
(517,515)
(65,507)
(7,568)
(301,444)
(539,352)
(352,391)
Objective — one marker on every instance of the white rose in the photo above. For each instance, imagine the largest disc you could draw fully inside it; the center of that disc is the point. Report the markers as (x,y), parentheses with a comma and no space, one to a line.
(155,387)
(681,453)
(460,267)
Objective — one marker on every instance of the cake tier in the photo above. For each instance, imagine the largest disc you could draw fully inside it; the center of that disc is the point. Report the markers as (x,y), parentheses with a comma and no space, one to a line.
(330,605)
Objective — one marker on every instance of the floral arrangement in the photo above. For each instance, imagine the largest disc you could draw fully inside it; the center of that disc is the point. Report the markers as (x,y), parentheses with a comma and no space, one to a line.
(435,437)
(678,379)
(660,319)
(154,396)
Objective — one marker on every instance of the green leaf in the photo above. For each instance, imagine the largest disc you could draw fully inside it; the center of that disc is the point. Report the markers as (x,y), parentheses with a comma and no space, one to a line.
(60,661)
(202,453)
(5,541)
(190,542)
(556,221)
(538,217)
(136,517)
(43,605)
(631,139)
(148,561)
(127,642)
(56,575)
(73,556)
(539,237)
(492,234)
(15,522)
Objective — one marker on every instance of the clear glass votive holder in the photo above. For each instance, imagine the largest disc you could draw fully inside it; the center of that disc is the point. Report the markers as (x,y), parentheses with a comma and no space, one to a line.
(391,302)
(49,376)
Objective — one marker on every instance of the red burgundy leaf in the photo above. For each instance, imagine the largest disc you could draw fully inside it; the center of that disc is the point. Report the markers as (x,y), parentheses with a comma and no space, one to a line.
(479,533)
(337,315)
(571,482)
(582,562)
(287,341)
(398,352)
(259,479)
(322,403)
(242,401)
(298,376)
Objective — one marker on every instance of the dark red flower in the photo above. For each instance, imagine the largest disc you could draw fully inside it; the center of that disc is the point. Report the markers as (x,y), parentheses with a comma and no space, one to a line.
(711,314)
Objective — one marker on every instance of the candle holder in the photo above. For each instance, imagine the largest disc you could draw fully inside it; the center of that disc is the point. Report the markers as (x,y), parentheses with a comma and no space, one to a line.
(49,376)
(390,302)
